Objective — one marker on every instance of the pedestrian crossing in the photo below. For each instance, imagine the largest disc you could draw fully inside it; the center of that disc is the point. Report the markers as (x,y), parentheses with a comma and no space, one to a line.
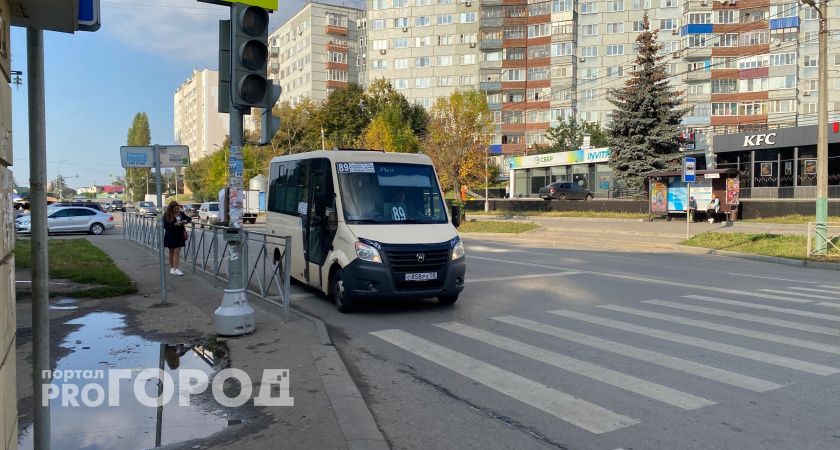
(654,337)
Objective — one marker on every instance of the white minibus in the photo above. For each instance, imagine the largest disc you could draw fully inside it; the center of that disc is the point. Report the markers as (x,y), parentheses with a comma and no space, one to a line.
(366,224)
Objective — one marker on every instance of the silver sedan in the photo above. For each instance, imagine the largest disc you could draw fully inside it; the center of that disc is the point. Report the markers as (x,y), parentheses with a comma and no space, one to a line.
(70,220)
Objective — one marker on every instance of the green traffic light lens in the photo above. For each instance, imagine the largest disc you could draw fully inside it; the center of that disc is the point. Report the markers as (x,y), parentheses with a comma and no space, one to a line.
(254,21)
(252,88)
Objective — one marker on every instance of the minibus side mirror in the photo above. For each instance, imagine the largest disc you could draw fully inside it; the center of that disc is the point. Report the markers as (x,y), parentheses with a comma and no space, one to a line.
(456,216)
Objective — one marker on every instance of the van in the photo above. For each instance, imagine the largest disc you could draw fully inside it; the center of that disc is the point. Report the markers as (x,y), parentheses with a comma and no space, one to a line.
(366,225)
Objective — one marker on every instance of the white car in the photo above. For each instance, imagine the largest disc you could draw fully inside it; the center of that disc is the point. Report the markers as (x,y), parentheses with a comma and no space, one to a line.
(70,219)
(209,213)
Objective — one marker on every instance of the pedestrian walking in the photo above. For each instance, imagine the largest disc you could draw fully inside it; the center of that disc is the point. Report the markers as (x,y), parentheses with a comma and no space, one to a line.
(692,208)
(713,208)
(507,190)
(175,234)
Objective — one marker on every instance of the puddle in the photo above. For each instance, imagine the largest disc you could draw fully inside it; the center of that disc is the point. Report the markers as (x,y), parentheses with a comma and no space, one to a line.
(100,345)
(64,304)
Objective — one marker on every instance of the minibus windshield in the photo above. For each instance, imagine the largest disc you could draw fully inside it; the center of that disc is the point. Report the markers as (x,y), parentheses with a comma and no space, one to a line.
(389,193)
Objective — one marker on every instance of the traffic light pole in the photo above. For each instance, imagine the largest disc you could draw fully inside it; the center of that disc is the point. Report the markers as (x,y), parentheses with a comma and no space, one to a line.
(822,132)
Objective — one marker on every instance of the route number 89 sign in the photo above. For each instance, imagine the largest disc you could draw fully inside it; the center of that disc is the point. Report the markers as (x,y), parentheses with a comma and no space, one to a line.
(398,213)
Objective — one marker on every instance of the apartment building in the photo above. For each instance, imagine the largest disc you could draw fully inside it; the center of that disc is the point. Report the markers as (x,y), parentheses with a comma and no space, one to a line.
(426,48)
(316,51)
(198,123)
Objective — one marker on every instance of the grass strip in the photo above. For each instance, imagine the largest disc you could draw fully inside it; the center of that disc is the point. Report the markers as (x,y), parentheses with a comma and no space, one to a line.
(783,246)
(587,214)
(491,226)
(79,261)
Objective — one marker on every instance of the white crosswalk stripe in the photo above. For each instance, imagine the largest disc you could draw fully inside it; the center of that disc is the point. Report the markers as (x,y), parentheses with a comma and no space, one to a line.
(660,359)
(822,291)
(833,305)
(829,286)
(523,277)
(747,317)
(810,345)
(781,292)
(611,377)
(795,312)
(733,350)
(568,408)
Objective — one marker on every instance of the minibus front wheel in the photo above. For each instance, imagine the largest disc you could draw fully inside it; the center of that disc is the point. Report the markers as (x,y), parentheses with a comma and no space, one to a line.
(344,301)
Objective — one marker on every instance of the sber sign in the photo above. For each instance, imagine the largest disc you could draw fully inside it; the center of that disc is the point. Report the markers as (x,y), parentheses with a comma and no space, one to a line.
(756,140)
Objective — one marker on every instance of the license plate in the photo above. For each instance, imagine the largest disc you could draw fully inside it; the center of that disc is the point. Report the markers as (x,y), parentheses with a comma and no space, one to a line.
(423,276)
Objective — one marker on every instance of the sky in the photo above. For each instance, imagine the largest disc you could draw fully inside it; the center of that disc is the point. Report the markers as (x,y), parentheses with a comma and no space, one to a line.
(96,82)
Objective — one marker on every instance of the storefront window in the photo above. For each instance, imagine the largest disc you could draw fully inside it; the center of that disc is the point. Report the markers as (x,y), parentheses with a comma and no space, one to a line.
(766,168)
(520,183)
(786,172)
(559,173)
(539,179)
(807,172)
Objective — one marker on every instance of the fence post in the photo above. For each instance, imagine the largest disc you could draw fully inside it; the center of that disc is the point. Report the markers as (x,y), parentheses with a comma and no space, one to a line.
(809,239)
(287,270)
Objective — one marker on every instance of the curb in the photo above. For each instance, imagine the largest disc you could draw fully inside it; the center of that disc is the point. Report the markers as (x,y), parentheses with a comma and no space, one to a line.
(761,258)
(516,217)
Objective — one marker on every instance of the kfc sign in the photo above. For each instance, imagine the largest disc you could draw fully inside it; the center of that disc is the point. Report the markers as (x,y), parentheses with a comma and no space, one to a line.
(760,139)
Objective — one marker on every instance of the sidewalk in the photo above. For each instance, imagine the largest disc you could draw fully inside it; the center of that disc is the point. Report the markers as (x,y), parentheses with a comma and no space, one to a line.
(328,410)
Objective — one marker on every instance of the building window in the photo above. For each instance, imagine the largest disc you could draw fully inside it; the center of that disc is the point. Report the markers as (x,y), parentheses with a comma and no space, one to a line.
(423,83)
(337,57)
(562,49)
(514,75)
(753,84)
(444,61)
(725,109)
(615,5)
(724,63)
(400,84)
(615,49)
(756,108)
(642,4)
(784,10)
(423,61)
(615,27)
(401,22)
(444,19)
(668,24)
(615,72)
(589,8)
(422,21)
(810,13)
(754,38)
(469,38)
(514,32)
(401,63)
(810,86)
(468,59)
(400,3)
(537,52)
(782,106)
(469,17)
(467,80)
(724,86)
(696,40)
(425,41)
(336,20)
(700,18)
(446,39)
(754,62)
(561,5)
(667,3)
(811,60)
(544,29)
(589,94)
(585,30)
(539,73)
(638,26)
(726,40)
(726,16)
(589,52)
(379,64)
(380,44)
(337,75)
(789,59)
(379,24)
(444,81)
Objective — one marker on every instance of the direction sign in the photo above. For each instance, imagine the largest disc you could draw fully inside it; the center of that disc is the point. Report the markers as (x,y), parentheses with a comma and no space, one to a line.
(689,166)
(88,18)
(143,156)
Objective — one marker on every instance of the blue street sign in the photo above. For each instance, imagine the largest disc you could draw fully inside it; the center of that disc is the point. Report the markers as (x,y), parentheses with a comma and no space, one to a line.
(88,18)
(689,169)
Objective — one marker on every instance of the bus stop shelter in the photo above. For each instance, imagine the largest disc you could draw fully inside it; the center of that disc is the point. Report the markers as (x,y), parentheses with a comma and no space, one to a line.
(668,195)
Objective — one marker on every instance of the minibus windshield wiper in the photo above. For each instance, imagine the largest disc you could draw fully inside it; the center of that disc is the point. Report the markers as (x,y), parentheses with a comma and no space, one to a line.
(362,221)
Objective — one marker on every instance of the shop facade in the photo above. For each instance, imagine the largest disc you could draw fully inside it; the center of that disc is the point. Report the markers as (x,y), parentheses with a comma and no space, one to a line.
(779,163)
(588,168)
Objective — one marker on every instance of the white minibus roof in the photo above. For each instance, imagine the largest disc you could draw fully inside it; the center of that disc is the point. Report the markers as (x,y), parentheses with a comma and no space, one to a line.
(358,156)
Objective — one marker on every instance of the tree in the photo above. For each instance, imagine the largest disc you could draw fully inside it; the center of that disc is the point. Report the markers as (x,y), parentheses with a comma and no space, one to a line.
(300,129)
(391,131)
(460,127)
(138,178)
(645,130)
(343,116)
(568,135)
(381,94)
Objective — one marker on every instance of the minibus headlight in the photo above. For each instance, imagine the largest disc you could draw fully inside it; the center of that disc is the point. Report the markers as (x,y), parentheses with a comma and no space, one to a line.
(367,253)
(458,250)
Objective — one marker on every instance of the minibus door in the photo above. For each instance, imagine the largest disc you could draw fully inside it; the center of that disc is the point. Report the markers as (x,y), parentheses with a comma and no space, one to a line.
(318,235)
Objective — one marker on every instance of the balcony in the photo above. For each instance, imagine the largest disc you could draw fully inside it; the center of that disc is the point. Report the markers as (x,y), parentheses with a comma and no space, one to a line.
(488,44)
(336,47)
(490,86)
(696,120)
(698,98)
(336,65)
(698,75)
(695,53)
(334,84)
(562,37)
(336,30)
(274,67)
(490,65)
(495,106)
(491,22)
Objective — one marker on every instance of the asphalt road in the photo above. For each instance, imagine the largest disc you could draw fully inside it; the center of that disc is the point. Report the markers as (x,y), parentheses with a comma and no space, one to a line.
(584,349)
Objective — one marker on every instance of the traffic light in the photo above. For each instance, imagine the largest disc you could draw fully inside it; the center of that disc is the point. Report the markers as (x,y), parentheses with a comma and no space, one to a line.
(249,49)
(268,123)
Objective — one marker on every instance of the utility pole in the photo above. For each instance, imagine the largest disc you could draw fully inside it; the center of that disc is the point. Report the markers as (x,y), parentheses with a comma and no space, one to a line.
(38,240)
(822,128)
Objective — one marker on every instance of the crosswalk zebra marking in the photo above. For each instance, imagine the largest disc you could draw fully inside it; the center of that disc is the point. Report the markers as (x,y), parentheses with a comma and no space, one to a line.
(833,305)
(523,277)
(779,291)
(822,291)
(748,317)
(795,312)
(578,412)
(829,286)
(810,345)
(649,356)
(611,377)
(773,278)
(719,347)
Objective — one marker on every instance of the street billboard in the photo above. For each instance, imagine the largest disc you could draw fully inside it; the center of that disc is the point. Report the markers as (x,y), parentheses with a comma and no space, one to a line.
(171,156)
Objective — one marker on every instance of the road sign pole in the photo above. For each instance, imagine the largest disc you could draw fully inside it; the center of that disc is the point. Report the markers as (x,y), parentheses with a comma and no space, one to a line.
(161,249)
(688,211)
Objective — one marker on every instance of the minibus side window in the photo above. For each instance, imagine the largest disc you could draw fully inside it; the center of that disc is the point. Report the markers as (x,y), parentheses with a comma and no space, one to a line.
(288,187)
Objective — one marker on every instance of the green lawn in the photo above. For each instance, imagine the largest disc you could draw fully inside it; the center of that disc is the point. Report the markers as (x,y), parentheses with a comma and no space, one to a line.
(80,261)
(491,226)
(589,214)
(791,218)
(784,246)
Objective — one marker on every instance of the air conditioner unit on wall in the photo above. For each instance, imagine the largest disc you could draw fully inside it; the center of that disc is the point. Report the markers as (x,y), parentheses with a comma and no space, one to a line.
(472,44)
(405,29)
(704,3)
(383,51)
(581,59)
(806,94)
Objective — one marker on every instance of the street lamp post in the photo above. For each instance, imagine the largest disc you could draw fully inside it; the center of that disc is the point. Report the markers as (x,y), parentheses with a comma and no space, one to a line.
(822,128)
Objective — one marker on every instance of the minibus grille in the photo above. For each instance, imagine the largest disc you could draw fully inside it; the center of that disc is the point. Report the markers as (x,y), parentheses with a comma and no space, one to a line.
(405,261)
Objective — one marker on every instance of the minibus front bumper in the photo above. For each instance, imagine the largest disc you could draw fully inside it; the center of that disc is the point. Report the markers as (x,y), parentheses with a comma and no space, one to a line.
(378,281)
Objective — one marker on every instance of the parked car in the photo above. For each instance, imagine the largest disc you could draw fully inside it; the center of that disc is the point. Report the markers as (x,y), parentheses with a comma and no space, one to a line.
(209,213)
(191,210)
(87,204)
(70,219)
(117,205)
(564,190)
(147,209)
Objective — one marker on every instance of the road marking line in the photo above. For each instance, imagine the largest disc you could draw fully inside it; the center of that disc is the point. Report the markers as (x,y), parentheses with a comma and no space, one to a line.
(611,377)
(748,317)
(773,278)
(644,279)
(778,291)
(810,345)
(720,347)
(794,312)
(833,305)
(824,291)
(568,408)
(649,356)
(523,277)
(829,286)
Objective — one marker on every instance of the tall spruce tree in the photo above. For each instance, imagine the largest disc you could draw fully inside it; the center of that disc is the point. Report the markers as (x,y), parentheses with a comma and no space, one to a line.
(645,130)
(138,178)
